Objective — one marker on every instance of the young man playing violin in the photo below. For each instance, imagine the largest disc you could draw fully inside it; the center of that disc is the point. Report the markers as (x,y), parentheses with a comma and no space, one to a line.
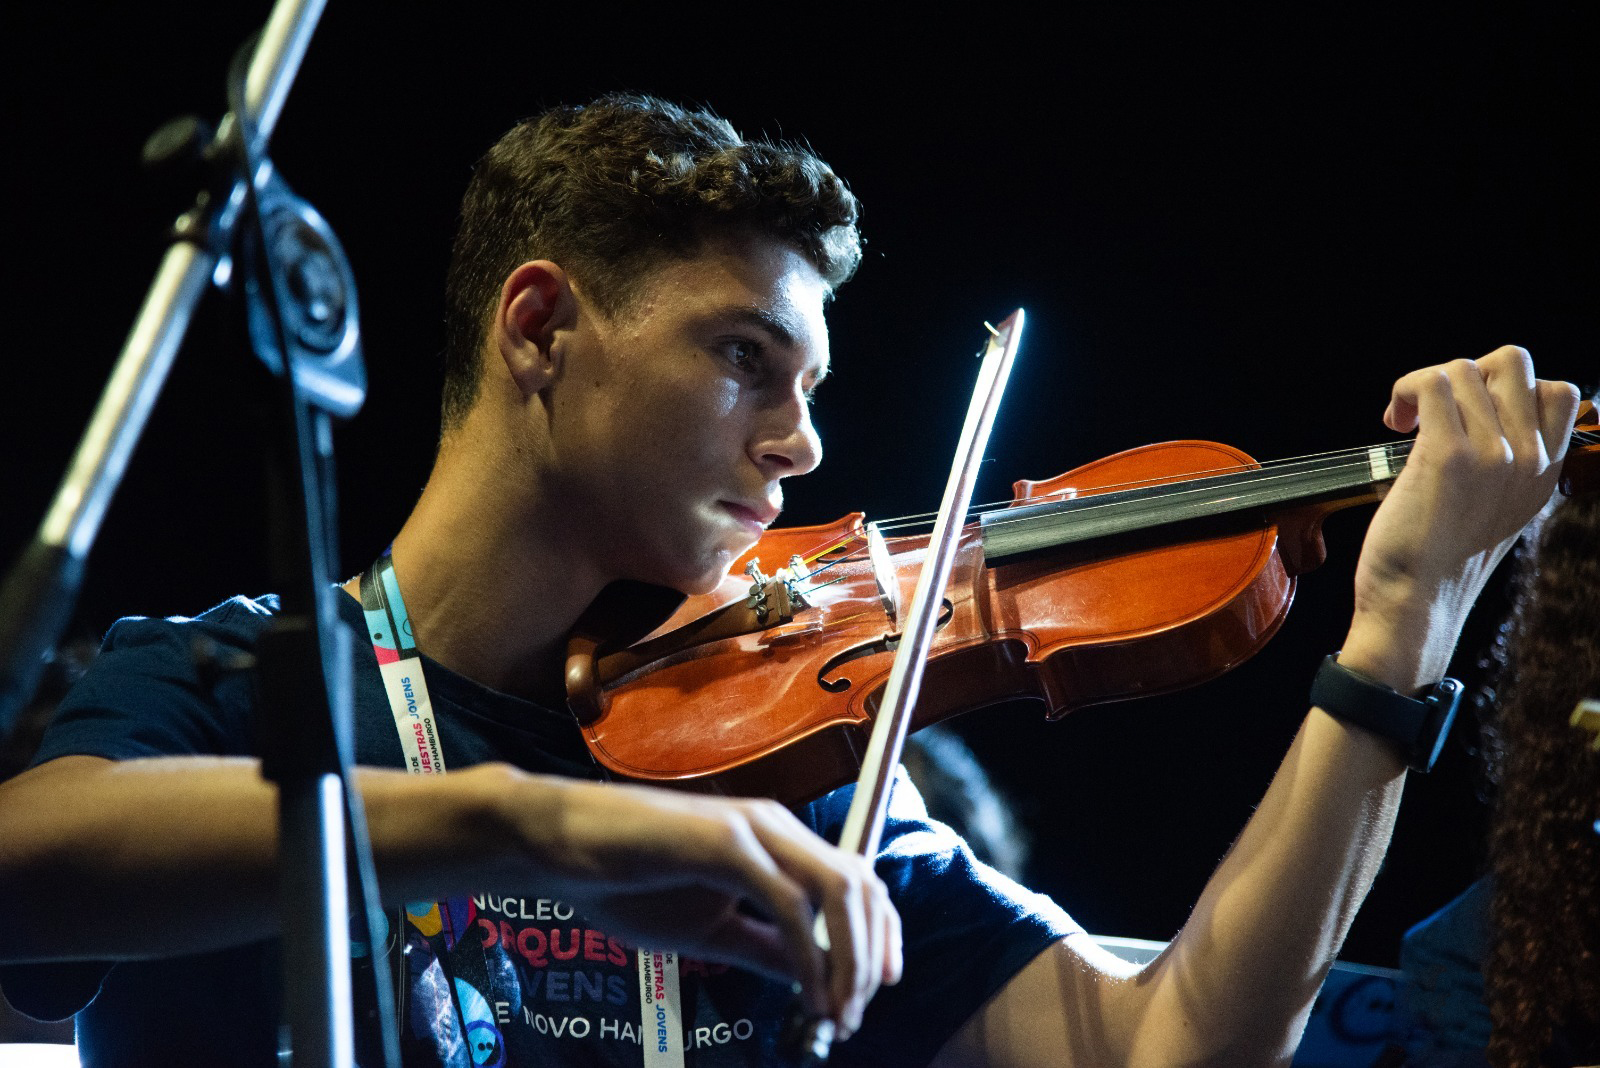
(636,326)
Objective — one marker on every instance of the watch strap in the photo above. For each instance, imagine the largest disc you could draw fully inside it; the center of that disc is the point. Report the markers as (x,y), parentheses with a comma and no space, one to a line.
(1417,725)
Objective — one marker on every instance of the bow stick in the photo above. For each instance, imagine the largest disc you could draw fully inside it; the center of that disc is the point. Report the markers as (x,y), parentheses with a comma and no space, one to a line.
(863,825)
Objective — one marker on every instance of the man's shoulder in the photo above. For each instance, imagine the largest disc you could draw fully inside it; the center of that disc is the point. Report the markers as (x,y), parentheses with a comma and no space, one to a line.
(238,620)
(171,686)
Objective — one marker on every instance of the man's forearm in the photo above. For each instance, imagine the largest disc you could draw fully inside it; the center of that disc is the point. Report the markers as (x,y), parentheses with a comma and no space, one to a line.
(171,855)
(104,860)
(1274,914)
(1271,919)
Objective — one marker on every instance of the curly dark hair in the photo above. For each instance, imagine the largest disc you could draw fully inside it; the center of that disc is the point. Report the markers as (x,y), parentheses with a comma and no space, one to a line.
(611,190)
(1543,972)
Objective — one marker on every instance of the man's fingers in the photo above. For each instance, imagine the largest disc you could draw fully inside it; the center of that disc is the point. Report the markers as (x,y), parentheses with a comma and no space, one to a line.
(892,937)
(1401,414)
(790,871)
(1477,410)
(851,978)
(1508,375)
(1429,395)
(1496,402)
(750,942)
(851,897)
(1416,395)
(1558,408)
(726,851)
(767,852)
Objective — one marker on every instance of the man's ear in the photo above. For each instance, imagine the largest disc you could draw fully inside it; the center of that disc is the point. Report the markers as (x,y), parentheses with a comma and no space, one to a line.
(536,303)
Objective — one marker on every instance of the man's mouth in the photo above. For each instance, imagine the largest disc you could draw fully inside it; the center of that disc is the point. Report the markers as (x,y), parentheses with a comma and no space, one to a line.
(757,517)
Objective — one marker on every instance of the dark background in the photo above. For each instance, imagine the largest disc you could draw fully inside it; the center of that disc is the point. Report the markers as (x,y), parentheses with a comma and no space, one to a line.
(1230,226)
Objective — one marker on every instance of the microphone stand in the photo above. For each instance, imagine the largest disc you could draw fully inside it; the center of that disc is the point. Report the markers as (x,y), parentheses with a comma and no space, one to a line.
(41,589)
(303,325)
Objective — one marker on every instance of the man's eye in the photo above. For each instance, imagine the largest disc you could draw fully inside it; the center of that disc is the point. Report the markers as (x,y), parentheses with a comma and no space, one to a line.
(745,355)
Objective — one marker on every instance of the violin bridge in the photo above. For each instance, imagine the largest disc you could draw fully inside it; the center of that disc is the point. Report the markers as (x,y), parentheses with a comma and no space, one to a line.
(883,572)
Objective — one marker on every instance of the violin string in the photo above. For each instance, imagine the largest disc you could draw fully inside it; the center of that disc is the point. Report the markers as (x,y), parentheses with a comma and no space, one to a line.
(842,543)
(1269,469)
(1358,456)
(815,586)
(1349,461)
(1353,459)
(830,565)
(849,541)
(1185,488)
(838,543)
(1092,503)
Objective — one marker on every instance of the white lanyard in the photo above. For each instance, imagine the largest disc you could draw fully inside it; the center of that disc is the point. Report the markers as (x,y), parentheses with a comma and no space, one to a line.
(660,1010)
(390,630)
(389,627)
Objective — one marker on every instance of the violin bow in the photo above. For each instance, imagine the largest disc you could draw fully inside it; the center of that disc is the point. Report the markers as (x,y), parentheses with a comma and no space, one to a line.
(863,825)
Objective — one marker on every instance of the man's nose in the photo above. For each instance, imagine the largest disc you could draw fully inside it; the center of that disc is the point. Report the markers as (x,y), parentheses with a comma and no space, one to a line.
(791,445)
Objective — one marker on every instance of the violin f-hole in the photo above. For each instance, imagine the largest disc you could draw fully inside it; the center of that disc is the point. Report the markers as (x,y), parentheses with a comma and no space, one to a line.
(886,644)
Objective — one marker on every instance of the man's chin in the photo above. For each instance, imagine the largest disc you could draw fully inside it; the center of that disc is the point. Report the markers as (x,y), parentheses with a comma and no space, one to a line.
(712,575)
(712,572)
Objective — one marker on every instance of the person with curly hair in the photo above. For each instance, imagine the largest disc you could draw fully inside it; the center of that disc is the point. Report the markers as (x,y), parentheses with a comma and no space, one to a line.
(1508,974)
(1542,977)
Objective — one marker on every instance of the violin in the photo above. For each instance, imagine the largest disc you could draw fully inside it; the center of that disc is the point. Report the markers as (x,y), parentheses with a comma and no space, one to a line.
(1145,572)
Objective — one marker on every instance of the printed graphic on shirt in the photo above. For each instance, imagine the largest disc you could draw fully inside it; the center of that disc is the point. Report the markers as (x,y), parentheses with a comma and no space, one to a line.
(498,981)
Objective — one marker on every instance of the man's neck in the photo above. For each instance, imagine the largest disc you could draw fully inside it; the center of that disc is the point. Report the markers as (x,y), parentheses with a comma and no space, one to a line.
(490,592)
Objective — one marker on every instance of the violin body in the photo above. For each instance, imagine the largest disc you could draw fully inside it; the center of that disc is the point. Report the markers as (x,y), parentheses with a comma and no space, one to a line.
(784,710)
(1142,573)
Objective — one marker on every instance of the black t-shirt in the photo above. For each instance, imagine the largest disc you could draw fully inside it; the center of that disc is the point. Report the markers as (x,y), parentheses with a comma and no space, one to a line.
(524,979)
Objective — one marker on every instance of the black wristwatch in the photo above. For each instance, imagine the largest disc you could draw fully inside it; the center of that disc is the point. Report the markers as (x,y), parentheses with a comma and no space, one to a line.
(1417,725)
